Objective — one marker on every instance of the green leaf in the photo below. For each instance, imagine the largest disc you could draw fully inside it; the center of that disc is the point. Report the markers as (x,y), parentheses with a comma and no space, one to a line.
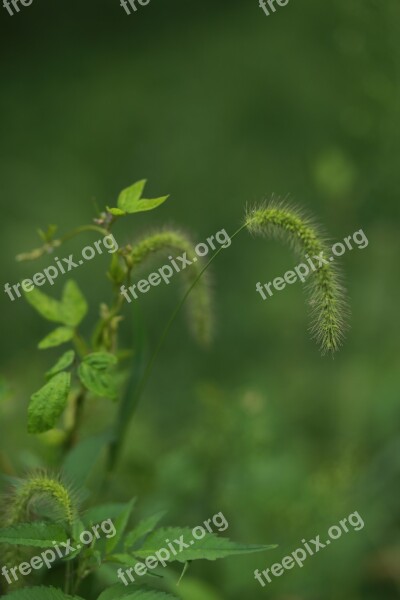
(117,212)
(122,559)
(143,528)
(121,591)
(149,203)
(100,360)
(41,593)
(210,547)
(63,363)
(47,307)
(48,403)
(121,524)
(100,383)
(81,459)
(48,235)
(38,534)
(130,200)
(58,336)
(74,306)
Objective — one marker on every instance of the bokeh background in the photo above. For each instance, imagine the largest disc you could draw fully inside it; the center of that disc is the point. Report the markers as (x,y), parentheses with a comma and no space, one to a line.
(221,106)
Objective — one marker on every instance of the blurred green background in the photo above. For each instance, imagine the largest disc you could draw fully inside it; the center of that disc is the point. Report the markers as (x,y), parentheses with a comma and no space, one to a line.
(221,106)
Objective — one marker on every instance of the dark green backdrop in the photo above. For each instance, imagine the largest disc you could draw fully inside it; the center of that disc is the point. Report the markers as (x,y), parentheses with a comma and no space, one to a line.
(221,106)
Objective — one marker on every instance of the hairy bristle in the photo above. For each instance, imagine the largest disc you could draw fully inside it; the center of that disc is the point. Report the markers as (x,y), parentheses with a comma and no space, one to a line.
(18,503)
(279,220)
(39,487)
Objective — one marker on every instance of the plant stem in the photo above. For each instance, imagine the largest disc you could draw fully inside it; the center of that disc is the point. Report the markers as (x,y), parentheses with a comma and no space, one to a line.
(77,419)
(83,229)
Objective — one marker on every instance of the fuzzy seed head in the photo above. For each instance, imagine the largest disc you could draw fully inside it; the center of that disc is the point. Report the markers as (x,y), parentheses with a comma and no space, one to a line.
(327,296)
(199,307)
(40,487)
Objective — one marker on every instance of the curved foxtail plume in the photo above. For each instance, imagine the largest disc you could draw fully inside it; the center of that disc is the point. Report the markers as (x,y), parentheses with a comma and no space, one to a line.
(17,507)
(327,296)
(199,304)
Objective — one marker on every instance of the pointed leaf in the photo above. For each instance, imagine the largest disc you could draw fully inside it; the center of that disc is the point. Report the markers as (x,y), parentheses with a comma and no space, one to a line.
(58,336)
(63,363)
(210,547)
(74,306)
(143,528)
(38,534)
(121,524)
(48,403)
(47,307)
(148,204)
(130,200)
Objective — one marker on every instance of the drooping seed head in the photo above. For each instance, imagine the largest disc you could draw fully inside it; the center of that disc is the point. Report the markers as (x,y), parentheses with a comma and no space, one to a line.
(279,220)
(199,307)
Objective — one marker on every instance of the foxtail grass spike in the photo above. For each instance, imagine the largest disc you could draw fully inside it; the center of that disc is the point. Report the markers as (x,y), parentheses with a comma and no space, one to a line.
(40,487)
(199,307)
(18,503)
(327,296)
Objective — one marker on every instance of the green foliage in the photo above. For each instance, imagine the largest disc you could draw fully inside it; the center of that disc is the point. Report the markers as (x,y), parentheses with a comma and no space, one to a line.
(57,337)
(69,311)
(73,304)
(130,200)
(143,528)
(63,363)
(47,307)
(121,524)
(36,534)
(210,547)
(97,375)
(93,368)
(48,403)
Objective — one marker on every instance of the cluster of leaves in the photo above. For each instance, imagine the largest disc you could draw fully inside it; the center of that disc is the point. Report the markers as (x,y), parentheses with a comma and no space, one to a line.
(92,368)
(124,546)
